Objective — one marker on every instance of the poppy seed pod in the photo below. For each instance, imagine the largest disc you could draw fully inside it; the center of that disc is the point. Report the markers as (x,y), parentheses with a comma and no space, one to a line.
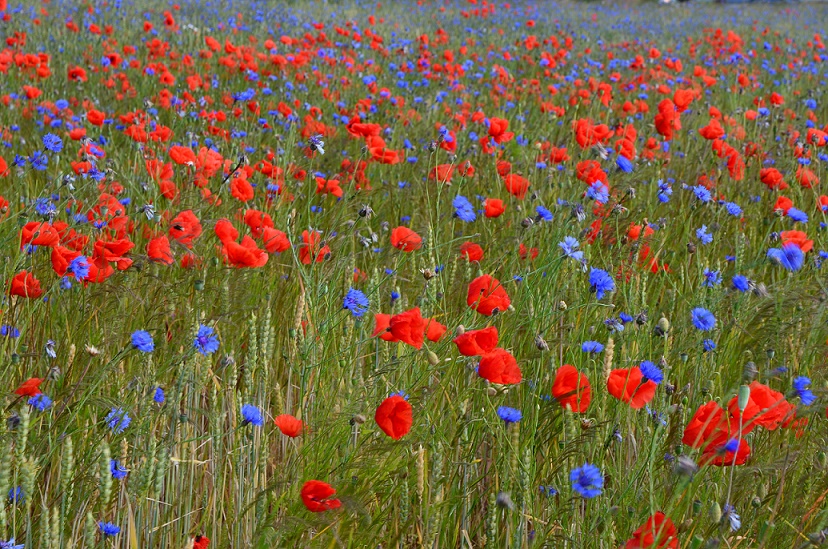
(662,327)
(744,397)
(715,513)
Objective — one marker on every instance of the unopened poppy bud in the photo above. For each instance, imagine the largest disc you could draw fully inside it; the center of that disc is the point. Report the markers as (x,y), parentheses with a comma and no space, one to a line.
(715,513)
(691,248)
(433,359)
(358,419)
(822,459)
(491,391)
(697,505)
(756,503)
(460,330)
(15,358)
(744,397)
(685,526)
(750,372)
(761,490)
(527,222)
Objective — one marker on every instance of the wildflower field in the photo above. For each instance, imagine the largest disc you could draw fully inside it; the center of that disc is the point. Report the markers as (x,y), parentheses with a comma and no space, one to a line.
(413,274)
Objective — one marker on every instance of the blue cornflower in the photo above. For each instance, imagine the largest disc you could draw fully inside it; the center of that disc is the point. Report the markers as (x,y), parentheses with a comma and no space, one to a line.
(712,278)
(252,414)
(142,340)
(79,267)
(44,207)
(463,209)
(797,215)
(117,471)
(570,248)
(395,295)
(52,143)
(587,480)
(664,192)
(109,529)
(624,164)
(16,495)
(741,283)
(39,161)
(789,256)
(614,325)
(600,282)
(356,302)
(205,342)
(702,193)
(733,209)
(544,213)
(9,331)
(548,491)
(800,385)
(704,236)
(599,192)
(158,395)
(729,512)
(591,347)
(708,345)
(703,319)
(11,544)
(118,420)
(625,318)
(41,402)
(509,415)
(652,372)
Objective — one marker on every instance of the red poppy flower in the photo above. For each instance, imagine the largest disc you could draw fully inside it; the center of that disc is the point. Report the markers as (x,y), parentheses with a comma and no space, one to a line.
(158,249)
(25,284)
(182,155)
(289,425)
(405,239)
(316,495)
(39,234)
(494,207)
(30,387)
(486,295)
(409,327)
(328,186)
(499,366)
(201,542)
(394,416)
(275,241)
(718,455)
(772,178)
(658,532)
(516,185)
(382,323)
(797,237)
(765,407)
(310,249)
(707,425)
(185,227)
(471,251)
(434,330)
(626,385)
(225,231)
(477,342)
(572,389)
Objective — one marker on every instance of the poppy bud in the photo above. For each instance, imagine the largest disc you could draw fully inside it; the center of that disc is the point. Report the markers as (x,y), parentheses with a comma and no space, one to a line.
(15,358)
(715,513)
(762,490)
(685,526)
(460,330)
(691,248)
(822,459)
(744,397)
(433,359)
(491,391)
(756,503)
(697,507)
(358,419)
(527,222)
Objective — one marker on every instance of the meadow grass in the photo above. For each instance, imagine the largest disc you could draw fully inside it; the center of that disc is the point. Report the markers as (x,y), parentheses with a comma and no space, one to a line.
(461,477)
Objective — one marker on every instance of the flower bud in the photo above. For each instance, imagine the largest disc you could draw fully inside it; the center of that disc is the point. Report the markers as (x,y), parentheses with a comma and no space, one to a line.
(744,397)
